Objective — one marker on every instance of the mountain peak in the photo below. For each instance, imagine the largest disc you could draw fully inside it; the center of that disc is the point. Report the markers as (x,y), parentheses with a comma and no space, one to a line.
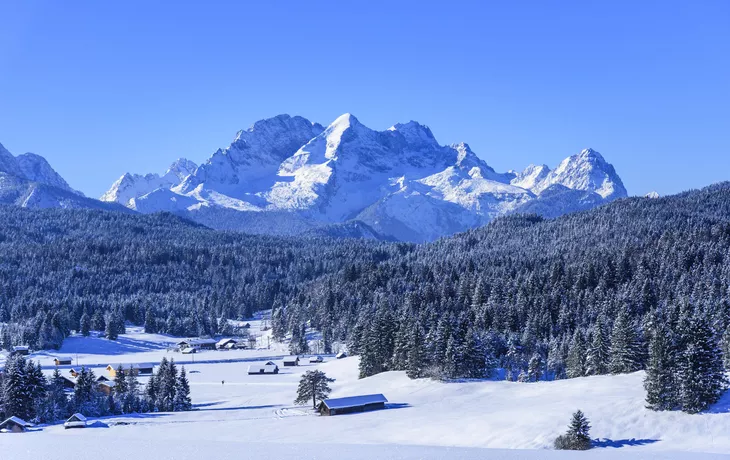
(37,169)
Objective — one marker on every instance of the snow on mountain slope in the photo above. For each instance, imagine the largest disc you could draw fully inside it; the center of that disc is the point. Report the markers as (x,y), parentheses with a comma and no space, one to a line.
(8,163)
(37,169)
(131,186)
(587,171)
(401,182)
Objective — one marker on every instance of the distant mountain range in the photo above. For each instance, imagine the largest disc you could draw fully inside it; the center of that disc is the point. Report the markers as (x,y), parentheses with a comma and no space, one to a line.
(288,175)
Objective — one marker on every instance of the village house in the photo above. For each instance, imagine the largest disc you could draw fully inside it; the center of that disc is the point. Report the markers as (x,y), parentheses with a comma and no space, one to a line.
(352,404)
(267,368)
(75,421)
(189,350)
(105,387)
(74,372)
(68,383)
(62,361)
(226,344)
(203,344)
(14,425)
(137,369)
(291,361)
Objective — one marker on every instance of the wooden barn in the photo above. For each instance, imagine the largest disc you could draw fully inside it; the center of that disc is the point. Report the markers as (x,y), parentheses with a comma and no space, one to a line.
(316,359)
(267,368)
(290,361)
(189,350)
(75,421)
(62,361)
(14,425)
(352,404)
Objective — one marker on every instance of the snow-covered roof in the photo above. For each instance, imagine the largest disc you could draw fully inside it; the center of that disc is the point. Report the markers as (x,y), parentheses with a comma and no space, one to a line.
(77,416)
(124,366)
(197,341)
(224,342)
(21,348)
(16,420)
(354,401)
(110,384)
(291,359)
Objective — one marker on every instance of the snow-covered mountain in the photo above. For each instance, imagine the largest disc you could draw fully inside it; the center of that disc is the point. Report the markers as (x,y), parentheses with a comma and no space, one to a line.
(287,175)
(29,181)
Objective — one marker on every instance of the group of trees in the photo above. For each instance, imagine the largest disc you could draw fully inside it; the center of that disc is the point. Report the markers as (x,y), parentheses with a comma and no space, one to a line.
(541,299)
(25,392)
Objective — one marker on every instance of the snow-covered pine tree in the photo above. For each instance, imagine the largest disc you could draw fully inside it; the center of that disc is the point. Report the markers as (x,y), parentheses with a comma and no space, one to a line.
(598,356)
(659,383)
(625,347)
(534,368)
(16,397)
(85,324)
(55,405)
(416,353)
(576,360)
(182,400)
(313,386)
(701,374)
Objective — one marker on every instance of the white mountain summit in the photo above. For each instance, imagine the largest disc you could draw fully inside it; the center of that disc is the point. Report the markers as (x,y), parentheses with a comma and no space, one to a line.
(287,175)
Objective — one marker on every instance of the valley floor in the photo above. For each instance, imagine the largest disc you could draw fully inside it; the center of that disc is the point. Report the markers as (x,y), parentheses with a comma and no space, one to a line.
(254,417)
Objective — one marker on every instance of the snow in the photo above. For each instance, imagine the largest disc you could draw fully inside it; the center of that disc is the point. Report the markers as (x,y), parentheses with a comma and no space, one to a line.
(424,419)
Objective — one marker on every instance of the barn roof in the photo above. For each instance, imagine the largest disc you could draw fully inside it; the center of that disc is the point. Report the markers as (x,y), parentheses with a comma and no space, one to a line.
(291,359)
(197,341)
(16,420)
(124,366)
(21,348)
(354,401)
(77,416)
(223,342)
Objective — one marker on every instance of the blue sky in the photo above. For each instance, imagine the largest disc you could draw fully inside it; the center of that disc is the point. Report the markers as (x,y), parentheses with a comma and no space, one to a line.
(100,88)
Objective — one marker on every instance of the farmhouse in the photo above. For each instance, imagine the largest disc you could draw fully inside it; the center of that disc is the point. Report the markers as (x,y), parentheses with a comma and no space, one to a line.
(291,361)
(21,350)
(138,369)
(75,421)
(62,361)
(203,344)
(105,387)
(226,344)
(68,383)
(349,405)
(268,368)
(14,425)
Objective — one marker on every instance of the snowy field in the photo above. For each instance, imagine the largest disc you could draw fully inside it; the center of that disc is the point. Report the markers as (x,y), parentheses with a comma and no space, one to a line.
(254,416)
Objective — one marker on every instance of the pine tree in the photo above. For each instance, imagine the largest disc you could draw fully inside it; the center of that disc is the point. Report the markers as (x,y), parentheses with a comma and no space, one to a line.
(313,386)
(576,361)
(85,394)
(85,324)
(130,398)
(415,357)
(151,394)
(534,368)
(110,328)
(726,348)
(598,355)
(701,374)
(120,381)
(625,350)
(182,400)
(35,384)
(55,405)
(17,400)
(659,383)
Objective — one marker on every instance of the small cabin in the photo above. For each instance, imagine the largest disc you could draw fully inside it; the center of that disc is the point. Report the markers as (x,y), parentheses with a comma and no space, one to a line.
(316,359)
(62,361)
(189,350)
(74,372)
(75,421)
(352,404)
(290,361)
(267,368)
(104,378)
(226,344)
(14,425)
(341,355)
(105,387)
(21,350)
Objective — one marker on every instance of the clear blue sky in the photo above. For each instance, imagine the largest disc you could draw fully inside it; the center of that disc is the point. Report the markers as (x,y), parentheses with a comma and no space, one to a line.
(100,87)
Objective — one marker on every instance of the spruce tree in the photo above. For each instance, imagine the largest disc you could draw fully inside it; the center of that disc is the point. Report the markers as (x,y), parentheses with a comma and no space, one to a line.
(313,386)
(85,324)
(182,401)
(659,383)
(576,361)
(17,399)
(55,406)
(534,368)
(597,357)
(130,399)
(625,348)
(415,356)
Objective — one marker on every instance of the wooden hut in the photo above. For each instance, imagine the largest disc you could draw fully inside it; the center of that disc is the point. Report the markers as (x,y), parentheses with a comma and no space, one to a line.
(74,372)
(21,350)
(14,425)
(62,361)
(267,368)
(349,405)
(105,387)
(226,344)
(137,369)
(75,421)
(291,361)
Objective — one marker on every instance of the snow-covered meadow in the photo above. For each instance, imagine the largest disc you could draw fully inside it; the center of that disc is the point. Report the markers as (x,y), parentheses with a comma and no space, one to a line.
(254,416)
